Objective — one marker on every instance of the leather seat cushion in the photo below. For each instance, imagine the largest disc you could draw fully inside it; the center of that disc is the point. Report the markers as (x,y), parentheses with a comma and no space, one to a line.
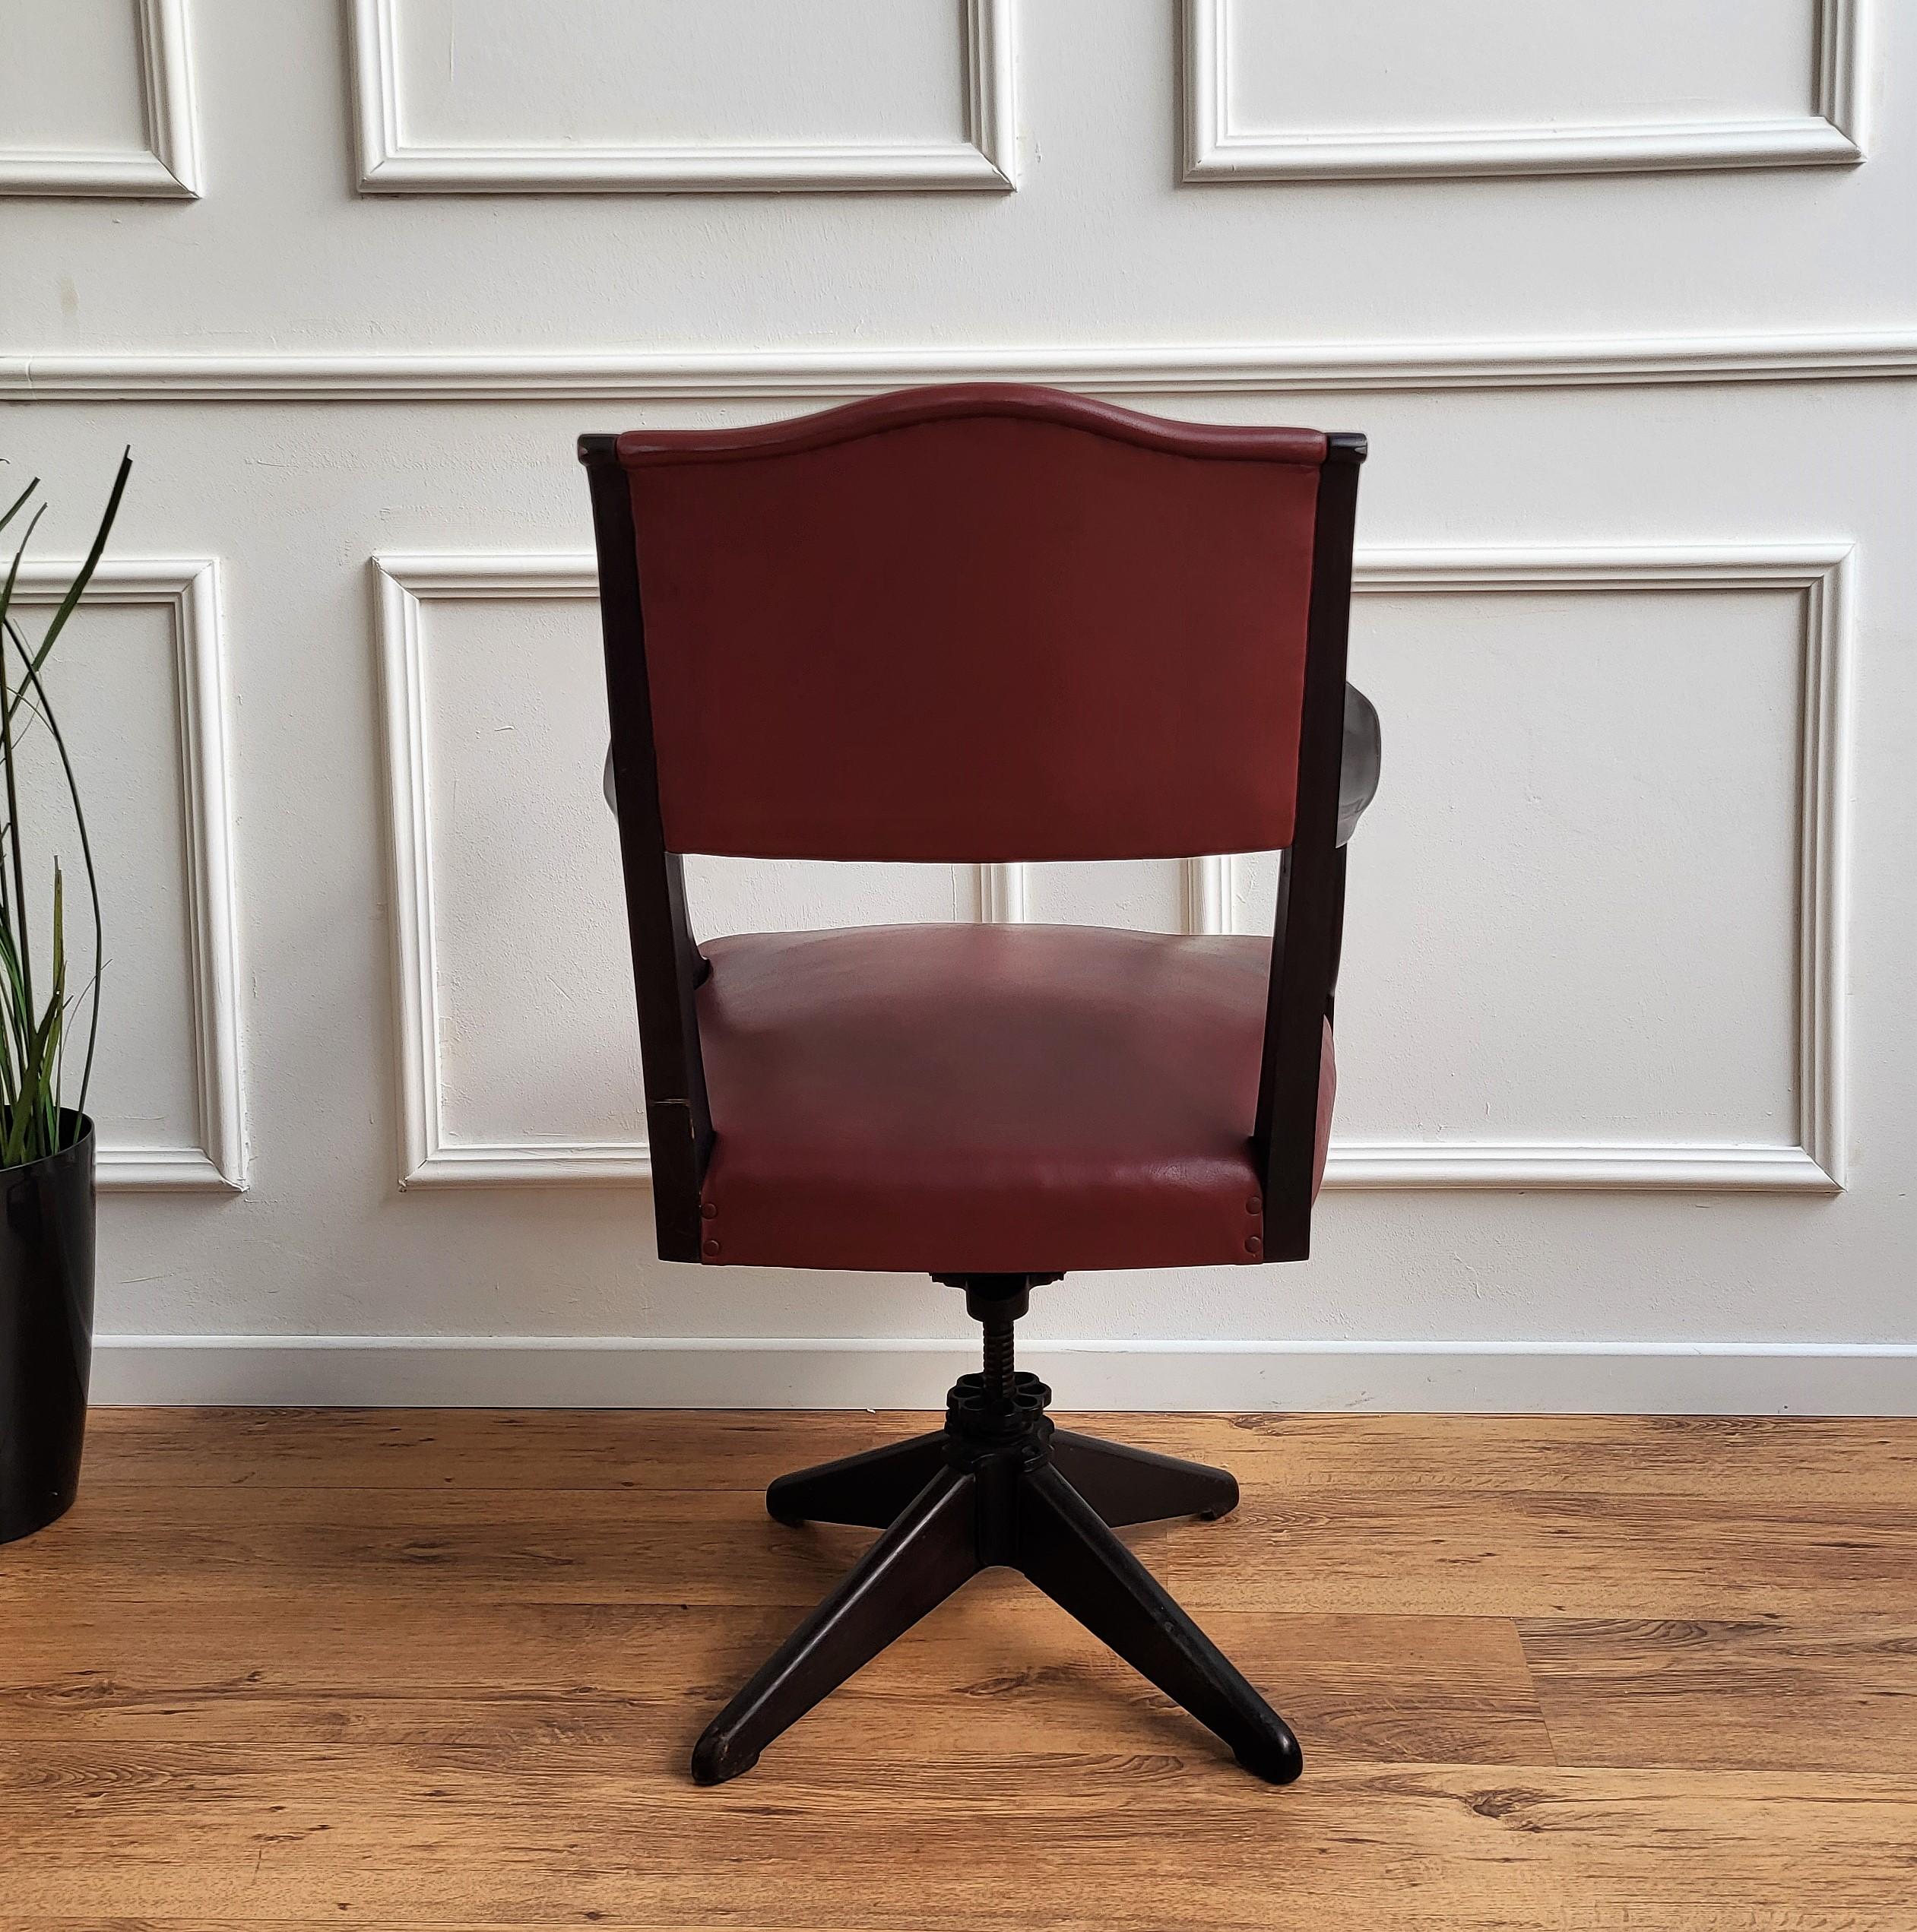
(961,1098)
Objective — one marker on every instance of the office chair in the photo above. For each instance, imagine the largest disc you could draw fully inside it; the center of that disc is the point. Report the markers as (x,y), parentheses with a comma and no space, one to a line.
(979,623)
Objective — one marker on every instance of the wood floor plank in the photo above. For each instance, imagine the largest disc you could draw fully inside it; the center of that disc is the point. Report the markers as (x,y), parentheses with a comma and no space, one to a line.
(1353,1552)
(996,1667)
(1836,1694)
(358,1449)
(1388,1915)
(560,1832)
(1763,1458)
(1532,1554)
(1584,1674)
(640,1546)
(1373,1915)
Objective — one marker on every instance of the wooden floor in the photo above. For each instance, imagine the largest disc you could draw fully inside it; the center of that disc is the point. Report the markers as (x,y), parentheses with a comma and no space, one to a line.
(400,1669)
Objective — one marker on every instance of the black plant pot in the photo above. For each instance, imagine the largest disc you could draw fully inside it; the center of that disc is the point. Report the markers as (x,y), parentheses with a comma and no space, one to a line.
(46,1332)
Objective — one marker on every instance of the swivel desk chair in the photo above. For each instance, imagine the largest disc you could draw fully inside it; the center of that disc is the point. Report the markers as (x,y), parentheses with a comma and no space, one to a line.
(983,623)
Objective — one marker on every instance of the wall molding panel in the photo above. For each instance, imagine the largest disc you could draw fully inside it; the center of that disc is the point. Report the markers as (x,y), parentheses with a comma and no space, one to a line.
(168,167)
(189,592)
(834,374)
(427,1158)
(1829,133)
(1820,571)
(985,159)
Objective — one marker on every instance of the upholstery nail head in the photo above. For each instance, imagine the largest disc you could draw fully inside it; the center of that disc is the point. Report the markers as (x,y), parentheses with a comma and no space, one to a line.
(1252,1244)
(1254,1206)
(708,1208)
(712,1246)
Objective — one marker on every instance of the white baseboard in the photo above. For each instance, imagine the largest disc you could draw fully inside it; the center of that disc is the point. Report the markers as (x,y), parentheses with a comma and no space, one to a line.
(619,1372)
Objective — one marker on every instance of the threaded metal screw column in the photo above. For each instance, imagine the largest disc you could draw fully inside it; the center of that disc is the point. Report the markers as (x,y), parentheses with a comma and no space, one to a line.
(998,1359)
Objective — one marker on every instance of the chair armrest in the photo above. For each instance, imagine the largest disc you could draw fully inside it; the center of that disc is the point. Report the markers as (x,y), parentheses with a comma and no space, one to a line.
(1363,761)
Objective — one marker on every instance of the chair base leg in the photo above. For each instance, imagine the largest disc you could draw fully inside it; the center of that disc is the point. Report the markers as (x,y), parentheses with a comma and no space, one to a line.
(1072,1555)
(870,1490)
(911,1570)
(1127,1485)
(999,1485)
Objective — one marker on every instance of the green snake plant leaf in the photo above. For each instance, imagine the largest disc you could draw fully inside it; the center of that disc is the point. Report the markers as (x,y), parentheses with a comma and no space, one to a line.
(33,1033)
(77,588)
(92,987)
(13,509)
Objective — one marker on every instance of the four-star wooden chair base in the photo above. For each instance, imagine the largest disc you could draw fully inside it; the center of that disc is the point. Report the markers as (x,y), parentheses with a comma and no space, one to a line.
(1000,1484)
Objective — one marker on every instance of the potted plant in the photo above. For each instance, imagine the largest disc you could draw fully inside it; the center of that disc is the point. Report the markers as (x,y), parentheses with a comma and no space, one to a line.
(46,1147)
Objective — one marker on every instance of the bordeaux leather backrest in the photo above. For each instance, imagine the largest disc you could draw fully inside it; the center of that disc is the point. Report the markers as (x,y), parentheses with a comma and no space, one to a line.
(977,623)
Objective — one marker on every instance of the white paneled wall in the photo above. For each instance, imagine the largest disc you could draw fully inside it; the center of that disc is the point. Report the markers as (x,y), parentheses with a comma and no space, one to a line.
(1623,294)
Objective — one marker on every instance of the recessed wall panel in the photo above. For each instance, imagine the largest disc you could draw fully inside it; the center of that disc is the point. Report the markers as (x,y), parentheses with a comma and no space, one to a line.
(1530,959)
(135,684)
(72,75)
(632,96)
(645,73)
(1286,89)
(1491,63)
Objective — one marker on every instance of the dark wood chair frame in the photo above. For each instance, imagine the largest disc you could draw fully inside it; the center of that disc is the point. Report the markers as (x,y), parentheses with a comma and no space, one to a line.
(999,1484)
